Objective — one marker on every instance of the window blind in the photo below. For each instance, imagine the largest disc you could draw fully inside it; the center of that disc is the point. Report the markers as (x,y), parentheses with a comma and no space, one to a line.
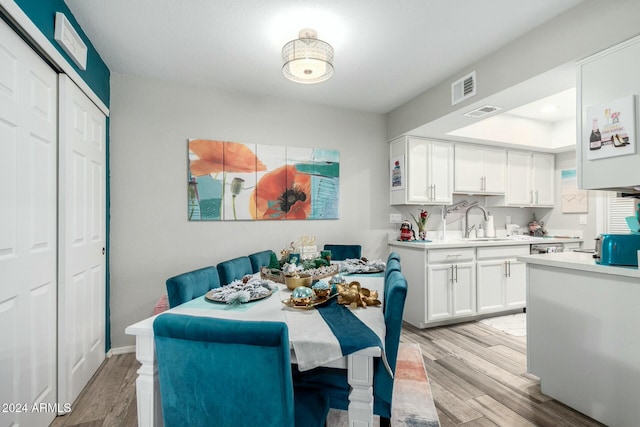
(618,208)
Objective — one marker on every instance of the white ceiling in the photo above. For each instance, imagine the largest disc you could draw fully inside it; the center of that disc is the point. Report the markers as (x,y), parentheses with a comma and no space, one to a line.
(386,52)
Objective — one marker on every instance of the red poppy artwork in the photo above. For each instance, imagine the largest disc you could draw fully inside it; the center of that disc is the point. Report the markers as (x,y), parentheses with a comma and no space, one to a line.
(283,193)
(235,181)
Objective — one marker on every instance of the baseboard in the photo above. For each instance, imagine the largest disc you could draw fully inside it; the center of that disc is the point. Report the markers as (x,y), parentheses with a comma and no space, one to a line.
(121,350)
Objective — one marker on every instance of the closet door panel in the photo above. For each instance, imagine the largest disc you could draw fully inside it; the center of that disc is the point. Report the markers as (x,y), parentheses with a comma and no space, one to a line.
(28,221)
(81,331)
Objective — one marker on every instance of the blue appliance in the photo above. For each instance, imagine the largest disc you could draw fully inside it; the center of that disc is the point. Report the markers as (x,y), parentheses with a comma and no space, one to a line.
(617,249)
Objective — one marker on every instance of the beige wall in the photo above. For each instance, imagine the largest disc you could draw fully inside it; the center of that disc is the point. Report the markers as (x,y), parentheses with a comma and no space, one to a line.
(151,239)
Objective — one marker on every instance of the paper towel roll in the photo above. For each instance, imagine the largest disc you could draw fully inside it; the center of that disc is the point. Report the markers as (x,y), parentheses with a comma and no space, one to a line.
(490,229)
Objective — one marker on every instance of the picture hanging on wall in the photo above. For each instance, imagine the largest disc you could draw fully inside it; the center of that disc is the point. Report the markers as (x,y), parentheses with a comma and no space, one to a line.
(613,129)
(397,173)
(574,200)
(235,181)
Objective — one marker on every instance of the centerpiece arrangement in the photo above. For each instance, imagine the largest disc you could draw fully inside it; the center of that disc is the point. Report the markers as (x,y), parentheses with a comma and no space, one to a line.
(241,291)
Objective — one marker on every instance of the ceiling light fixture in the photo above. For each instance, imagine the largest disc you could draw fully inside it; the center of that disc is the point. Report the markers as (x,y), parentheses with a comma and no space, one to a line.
(306,59)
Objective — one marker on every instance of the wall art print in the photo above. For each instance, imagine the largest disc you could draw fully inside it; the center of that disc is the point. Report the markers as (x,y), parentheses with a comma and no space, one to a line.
(613,129)
(235,181)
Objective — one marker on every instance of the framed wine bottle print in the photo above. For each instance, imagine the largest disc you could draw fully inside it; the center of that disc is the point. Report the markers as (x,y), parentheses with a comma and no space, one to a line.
(613,129)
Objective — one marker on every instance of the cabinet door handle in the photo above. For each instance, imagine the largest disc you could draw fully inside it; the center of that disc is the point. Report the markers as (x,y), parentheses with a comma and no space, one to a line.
(509,268)
(456,267)
(506,274)
(433,195)
(537,197)
(531,196)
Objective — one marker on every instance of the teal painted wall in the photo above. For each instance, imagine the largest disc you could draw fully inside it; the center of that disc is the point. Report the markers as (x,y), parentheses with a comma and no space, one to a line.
(43,14)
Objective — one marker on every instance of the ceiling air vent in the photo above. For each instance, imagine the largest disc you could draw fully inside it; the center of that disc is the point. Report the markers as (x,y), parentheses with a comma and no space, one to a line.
(482,111)
(464,88)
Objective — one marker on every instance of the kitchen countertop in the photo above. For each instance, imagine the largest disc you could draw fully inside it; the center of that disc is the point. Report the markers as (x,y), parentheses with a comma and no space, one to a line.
(466,243)
(578,261)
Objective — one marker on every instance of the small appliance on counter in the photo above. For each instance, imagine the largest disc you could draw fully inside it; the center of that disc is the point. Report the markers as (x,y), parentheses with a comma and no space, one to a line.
(617,249)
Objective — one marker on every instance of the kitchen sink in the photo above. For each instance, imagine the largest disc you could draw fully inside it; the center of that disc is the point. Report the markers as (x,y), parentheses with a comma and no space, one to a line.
(487,239)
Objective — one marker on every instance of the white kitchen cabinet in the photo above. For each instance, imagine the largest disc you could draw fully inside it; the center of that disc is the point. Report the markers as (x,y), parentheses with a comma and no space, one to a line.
(450,284)
(479,169)
(530,180)
(501,279)
(429,172)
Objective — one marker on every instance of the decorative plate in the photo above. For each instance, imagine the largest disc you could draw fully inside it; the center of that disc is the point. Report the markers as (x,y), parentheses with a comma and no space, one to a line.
(217,297)
(239,292)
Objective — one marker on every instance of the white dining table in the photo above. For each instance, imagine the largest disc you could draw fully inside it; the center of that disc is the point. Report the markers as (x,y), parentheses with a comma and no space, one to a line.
(359,365)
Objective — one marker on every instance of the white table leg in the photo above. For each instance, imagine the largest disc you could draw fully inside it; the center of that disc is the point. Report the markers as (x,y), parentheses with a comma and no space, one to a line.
(147,384)
(360,377)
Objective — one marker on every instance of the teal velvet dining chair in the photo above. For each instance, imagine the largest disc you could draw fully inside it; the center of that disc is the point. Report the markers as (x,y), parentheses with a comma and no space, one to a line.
(234,269)
(187,286)
(342,252)
(334,381)
(392,265)
(230,373)
(393,255)
(260,259)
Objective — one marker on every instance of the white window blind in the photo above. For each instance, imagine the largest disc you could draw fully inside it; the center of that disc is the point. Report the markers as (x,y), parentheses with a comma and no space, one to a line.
(618,208)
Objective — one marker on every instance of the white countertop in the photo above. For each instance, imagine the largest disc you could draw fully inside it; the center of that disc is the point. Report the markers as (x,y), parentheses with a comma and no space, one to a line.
(466,243)
(578,261)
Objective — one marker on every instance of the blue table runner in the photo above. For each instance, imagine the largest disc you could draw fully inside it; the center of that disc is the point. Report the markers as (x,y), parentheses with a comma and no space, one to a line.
(351,332)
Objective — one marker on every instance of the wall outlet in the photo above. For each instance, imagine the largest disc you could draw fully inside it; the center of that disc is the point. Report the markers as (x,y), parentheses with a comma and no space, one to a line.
(583,220)
(395,218)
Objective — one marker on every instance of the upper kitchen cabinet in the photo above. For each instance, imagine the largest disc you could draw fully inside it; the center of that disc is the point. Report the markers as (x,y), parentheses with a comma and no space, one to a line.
(479,169)
(429,171)
(604,80)
(530,180)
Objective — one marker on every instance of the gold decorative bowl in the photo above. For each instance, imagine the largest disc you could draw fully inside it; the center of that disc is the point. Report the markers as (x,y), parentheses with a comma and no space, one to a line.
(293,282)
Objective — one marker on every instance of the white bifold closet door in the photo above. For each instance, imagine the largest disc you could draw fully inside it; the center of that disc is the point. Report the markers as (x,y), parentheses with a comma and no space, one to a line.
(81,288)
(28,247)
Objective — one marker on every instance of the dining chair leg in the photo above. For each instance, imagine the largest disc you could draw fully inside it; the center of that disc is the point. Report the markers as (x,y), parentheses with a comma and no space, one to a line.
(385,422)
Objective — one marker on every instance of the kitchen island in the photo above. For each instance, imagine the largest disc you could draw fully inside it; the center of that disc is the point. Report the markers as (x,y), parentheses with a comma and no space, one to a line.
(583,338)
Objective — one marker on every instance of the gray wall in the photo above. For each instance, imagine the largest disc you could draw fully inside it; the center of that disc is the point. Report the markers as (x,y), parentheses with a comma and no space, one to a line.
(566,38)
(150,236)
(555,219)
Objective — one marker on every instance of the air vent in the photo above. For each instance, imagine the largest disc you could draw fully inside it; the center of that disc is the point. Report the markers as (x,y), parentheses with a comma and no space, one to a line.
(464,88)
(482,111)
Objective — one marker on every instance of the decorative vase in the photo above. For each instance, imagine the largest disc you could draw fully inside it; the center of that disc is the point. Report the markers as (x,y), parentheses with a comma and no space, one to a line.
(422,235)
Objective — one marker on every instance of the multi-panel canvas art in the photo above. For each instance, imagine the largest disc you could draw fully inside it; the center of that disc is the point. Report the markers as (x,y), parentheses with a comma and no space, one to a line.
(235,181)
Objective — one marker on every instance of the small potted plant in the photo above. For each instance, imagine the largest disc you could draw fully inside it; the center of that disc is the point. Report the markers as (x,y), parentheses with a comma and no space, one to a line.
(421,223)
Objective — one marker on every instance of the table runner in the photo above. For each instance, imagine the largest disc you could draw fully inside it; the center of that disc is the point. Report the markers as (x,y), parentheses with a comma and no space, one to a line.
(352,334)
(315,343)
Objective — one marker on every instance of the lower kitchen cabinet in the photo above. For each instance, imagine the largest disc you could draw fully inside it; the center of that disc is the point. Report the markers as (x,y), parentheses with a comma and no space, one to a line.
(501,282)
(448,285)
(450,291)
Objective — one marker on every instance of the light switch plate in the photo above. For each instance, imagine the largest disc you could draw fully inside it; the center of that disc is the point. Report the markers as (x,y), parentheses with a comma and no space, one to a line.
(395,218)
(583,220)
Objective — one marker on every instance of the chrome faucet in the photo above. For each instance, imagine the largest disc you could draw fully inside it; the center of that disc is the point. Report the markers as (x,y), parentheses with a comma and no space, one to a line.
(466,219)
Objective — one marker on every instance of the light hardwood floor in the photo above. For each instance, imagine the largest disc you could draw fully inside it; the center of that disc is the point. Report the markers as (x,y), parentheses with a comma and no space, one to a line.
(477,374)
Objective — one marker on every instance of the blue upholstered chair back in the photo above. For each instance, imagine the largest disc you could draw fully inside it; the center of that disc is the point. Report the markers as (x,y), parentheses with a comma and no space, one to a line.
(393,255)
(223,372)
(392,265)
(234,269)
(396,295)
(342,252)
(260,259)
(187,286)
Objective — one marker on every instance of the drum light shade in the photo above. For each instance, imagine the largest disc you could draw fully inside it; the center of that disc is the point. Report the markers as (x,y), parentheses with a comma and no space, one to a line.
(306,59)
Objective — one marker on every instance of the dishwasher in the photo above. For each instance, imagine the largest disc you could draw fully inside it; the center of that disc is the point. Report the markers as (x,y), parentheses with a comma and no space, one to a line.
(547,248)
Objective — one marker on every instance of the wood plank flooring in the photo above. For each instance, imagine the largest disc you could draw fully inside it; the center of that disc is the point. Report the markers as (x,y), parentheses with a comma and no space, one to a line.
(477,374)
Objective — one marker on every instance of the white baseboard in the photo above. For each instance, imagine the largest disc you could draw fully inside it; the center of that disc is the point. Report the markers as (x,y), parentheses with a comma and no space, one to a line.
(121,350)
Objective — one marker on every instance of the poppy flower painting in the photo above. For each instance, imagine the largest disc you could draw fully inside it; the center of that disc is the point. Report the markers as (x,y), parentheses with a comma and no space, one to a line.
(235,181)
